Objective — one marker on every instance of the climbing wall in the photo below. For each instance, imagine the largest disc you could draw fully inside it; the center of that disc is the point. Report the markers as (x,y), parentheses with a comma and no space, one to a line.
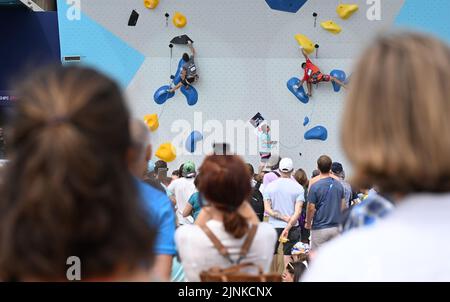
(246,53)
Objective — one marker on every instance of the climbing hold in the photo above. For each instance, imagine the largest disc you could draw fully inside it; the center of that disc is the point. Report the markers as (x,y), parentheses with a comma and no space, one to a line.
(181,40)
(192,140)
(151,4)
(152,121)
(306,121)
(134,16)
(166,152)
(289,6)
(341,76)
(162,95)
(317,133)
(305,42)
(191,95)
(298,91)
(179,20)
(331,27)
(345,11)
(177,78)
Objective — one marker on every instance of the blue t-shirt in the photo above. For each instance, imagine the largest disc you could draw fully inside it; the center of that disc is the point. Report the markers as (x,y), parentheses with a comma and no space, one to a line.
(326,195)
(162,216)
(194,201)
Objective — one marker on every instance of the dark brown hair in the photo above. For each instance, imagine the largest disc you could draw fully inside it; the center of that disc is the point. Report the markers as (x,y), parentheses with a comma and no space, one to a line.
(68,191)
(401,85)
(224,181)
(324,164)
(301,177)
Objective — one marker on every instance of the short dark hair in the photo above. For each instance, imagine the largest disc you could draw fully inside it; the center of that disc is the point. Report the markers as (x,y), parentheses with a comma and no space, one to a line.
(185,57)
(315,173)
(304,65)
(324,164)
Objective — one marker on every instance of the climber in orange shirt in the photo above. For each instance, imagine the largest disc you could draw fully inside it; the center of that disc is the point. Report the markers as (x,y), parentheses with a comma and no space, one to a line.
(313,75)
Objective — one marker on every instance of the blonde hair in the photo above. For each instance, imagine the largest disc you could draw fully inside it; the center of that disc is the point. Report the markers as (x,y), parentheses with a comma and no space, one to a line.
(396,128)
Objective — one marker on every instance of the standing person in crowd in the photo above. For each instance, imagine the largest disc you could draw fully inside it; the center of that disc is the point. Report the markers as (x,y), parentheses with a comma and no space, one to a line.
(271,170)
(181,190)
(175,174)
(325,205)
(315,173)
(302,179)
(338,171)
(265,145)
(194,205)
(283,201)
(75,195)
(401,146)
(256,198)
(153,195)
(225,184)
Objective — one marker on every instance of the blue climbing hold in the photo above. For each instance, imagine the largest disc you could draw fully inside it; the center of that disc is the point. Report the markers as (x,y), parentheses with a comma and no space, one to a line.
(290,6)
(177,78)
(340,75)
(162,95)
(306,121)
(192,140)
(317,133)
(190,94)
(299,92)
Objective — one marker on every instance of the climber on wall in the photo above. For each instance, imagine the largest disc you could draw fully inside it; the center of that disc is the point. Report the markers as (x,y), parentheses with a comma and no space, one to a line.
(313,75)
(189,72)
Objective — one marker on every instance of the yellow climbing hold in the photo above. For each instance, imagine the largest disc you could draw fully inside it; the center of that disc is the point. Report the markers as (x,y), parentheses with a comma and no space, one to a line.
(152,121)
(345,11)
(151,4)
(166,152)
(305,42)
(179,20)
(331,27)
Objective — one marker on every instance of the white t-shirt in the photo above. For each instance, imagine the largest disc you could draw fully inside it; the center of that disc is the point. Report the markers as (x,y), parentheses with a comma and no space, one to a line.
(412,244)
(283,194)
(182,189)
(198,253)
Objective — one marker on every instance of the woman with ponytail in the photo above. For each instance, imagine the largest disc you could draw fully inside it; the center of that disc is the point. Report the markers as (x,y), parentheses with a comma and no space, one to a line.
(225,185)
(68,203)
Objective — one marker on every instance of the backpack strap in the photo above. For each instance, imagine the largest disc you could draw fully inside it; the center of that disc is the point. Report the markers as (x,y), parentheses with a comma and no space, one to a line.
(247,243)
(223,250)
(216,242)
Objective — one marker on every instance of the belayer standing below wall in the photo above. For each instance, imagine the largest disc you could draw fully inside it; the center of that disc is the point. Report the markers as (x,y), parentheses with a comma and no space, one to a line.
(189,73)
(313,75)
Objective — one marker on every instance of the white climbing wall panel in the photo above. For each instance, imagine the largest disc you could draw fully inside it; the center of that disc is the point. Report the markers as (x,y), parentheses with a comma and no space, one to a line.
(246,54)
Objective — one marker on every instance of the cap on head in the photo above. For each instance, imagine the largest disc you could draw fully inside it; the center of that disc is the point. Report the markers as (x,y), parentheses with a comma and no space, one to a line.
(286,165)
(189,169)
